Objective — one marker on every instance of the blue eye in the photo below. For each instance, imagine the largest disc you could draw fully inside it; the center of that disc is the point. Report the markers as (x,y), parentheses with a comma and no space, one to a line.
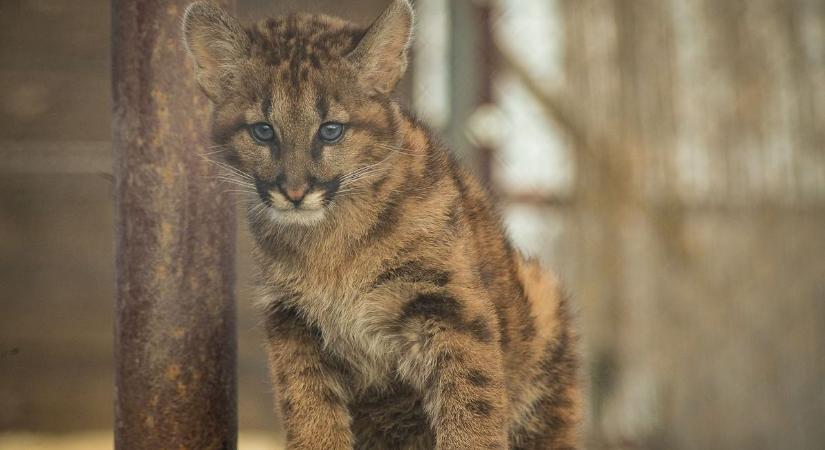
(262,132)
(331,132)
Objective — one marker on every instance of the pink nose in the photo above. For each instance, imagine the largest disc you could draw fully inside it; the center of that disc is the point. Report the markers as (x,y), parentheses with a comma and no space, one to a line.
(296,194)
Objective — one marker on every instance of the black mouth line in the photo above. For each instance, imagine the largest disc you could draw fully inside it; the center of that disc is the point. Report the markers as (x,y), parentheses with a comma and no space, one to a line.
(330,188)
(263,189)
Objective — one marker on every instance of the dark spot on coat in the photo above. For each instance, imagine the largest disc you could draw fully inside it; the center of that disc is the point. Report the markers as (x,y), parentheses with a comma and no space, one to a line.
(390,417)
(433,306)
(449,388)
(434,165)
(503,332)
(528,330)
(478,329)
(487,275)
(446,357)
(446,309)
(311,372)
(413,272)
(378,184)
(480,407)
(387,219)
(477,378)
(330,398)
(454,215)
(281,378)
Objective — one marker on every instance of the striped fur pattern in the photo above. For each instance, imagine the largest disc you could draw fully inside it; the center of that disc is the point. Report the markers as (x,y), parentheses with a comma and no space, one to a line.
(398,314)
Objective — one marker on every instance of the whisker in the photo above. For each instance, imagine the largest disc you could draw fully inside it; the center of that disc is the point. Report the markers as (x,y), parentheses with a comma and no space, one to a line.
(230,178)
(226,166)
(233,181)
(400,150)
(362,170)
(363,175)
(235,172)
(211,153)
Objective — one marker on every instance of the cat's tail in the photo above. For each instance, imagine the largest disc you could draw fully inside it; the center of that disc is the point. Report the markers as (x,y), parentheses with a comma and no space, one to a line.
(558,409)
(546,297)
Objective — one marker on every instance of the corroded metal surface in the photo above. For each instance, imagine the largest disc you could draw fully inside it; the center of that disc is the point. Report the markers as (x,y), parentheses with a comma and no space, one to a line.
(175,318)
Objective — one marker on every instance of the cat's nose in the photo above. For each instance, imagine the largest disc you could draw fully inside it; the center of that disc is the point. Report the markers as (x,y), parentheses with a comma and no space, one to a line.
(294,194)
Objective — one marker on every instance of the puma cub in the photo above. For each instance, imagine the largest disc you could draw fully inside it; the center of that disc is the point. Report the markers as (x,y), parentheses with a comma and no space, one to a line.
(398,314)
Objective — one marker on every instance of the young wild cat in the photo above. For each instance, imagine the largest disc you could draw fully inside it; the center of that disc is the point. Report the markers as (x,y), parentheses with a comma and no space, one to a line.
(398,314)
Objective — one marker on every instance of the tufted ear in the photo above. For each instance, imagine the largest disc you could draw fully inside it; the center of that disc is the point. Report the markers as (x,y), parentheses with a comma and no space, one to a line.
(381,55)
(216,41)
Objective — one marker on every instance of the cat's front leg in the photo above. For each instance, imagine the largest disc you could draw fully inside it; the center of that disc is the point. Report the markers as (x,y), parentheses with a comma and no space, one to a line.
(452,354)
(308,384)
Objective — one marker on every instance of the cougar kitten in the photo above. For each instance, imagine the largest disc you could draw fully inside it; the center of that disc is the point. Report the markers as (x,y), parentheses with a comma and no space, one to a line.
(398,314)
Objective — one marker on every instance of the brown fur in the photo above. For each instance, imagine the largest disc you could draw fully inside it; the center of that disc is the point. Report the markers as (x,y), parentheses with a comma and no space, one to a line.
(398,313)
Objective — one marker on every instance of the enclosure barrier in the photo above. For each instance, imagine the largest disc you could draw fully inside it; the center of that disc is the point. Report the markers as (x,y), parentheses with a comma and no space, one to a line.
(175,383)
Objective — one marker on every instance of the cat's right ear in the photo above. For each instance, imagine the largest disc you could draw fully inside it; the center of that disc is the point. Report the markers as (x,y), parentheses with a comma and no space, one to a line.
(216,41)
(381,55)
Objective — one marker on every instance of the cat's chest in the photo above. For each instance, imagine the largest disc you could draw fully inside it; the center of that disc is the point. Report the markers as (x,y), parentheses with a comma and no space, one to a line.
(354,330)
(336,295)
(354,322)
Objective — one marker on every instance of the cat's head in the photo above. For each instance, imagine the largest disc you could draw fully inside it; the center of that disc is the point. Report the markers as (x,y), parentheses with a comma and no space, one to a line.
(302,108)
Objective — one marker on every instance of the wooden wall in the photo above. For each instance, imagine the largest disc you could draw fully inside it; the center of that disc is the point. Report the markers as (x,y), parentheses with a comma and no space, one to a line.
(56,242)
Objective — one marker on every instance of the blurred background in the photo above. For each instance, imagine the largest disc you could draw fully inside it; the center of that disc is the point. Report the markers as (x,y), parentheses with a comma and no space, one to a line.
(666,157)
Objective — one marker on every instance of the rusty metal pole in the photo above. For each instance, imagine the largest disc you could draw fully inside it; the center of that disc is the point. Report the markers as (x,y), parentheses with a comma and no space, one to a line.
(175,384)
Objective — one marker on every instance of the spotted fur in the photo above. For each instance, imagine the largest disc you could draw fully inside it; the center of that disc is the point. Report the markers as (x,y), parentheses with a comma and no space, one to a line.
(398,313)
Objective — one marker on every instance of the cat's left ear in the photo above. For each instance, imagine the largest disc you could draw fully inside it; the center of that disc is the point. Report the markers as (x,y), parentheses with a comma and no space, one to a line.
(217,42)
(381,55)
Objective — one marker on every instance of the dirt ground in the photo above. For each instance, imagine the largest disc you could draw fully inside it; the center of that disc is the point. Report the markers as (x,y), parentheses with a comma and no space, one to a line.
(102,440)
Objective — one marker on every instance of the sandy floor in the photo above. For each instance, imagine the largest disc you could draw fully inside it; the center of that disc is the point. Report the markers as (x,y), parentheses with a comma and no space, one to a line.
(102,440)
